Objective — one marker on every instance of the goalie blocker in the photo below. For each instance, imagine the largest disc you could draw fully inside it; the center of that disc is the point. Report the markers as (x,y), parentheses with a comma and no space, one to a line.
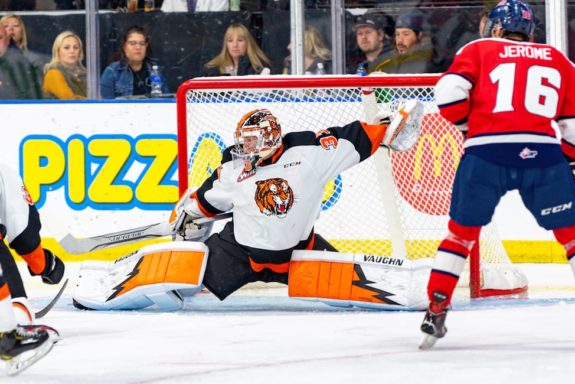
(163,274)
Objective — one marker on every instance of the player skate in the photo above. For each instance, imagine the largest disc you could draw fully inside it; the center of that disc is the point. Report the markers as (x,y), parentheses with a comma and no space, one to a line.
(433,326)
(23,346)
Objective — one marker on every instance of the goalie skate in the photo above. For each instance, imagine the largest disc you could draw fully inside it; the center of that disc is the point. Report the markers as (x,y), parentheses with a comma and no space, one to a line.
(404,130)
(23,347)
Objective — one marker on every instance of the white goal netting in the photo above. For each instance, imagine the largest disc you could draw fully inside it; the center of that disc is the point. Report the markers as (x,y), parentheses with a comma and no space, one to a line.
(393,205)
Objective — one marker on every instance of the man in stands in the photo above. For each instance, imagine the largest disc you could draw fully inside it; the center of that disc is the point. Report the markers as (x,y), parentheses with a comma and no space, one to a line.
(506,95)
(370,37)
(19,78)
(413,49)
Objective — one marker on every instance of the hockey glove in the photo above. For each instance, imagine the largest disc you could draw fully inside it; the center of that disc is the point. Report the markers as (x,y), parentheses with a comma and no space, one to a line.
(403,131)
(187,230)
(183,226)
(384,117)
(53,269)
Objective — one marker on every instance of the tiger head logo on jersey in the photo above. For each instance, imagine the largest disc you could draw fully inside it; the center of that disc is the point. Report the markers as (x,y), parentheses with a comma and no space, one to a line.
(274,197)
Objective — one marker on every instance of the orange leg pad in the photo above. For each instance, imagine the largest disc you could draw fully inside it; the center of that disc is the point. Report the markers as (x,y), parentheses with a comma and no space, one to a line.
(361,280)
(158,274)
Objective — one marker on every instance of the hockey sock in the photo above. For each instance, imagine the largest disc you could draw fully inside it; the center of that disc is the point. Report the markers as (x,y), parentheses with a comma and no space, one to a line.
(566,237)
(450,260)
(7,320)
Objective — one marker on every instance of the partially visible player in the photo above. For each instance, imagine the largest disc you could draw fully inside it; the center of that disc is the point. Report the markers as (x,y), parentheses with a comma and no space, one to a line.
(22,344)
(22,225)
(507,95)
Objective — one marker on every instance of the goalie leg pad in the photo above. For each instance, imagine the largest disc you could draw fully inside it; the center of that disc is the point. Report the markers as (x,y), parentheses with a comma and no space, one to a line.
(158,274)
(361,280)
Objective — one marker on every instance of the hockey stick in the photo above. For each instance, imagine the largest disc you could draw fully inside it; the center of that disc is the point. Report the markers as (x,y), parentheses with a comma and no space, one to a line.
(41,313)
(76,245)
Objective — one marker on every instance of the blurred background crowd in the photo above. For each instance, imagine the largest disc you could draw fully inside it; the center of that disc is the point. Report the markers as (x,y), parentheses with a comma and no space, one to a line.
(146,44)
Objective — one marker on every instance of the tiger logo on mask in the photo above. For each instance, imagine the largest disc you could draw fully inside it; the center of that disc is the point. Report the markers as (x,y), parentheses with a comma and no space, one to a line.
(274,197)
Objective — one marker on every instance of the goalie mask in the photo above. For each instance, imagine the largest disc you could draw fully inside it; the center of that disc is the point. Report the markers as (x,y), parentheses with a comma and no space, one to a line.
(258,134)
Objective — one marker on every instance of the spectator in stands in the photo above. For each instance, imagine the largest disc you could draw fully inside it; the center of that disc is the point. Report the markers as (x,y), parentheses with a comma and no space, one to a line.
(130,76)
(370,38)
(413,49)
(65,75)
(22,5)
(483,17)
(200,6)
(240,55)
(266,5)
(19,79)
(316,52)
(17,32)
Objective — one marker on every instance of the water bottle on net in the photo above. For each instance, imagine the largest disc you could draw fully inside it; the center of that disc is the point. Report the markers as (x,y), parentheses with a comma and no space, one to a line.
(361,70)
(320,70)
(155,82)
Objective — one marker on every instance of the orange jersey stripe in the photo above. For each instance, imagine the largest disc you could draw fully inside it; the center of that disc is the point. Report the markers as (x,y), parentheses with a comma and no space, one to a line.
(4,292)
(204,210)
(277,268)
(375,134)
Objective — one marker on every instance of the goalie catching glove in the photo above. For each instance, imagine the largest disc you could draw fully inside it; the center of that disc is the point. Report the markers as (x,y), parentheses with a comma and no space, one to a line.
(404,127)
(183,226)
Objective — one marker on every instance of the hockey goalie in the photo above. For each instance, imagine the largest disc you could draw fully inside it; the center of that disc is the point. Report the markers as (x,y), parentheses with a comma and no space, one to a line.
(273,186)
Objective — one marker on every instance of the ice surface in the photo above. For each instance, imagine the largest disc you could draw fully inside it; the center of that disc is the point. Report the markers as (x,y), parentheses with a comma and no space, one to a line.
(261,336)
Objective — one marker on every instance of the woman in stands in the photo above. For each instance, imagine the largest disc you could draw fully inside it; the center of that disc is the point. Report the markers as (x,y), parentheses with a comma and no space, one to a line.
(16,30)
(316,52)
(240,55)
(65,75)
(130,76)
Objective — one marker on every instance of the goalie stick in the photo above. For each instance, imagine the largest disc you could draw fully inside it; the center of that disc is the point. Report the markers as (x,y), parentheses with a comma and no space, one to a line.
(41,313)
(76,245)
(385,177)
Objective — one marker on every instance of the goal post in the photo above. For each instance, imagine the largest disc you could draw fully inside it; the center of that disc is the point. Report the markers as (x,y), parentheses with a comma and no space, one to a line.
(392,204)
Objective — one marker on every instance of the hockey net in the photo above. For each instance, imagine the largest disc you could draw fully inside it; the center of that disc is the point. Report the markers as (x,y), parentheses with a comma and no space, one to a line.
(391,204)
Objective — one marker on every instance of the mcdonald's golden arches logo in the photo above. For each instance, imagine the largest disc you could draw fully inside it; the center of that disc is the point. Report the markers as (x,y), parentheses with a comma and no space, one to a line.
(426,175)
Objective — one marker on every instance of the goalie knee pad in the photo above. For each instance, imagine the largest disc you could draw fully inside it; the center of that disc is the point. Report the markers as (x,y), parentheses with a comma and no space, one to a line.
(159,274)
(362,280)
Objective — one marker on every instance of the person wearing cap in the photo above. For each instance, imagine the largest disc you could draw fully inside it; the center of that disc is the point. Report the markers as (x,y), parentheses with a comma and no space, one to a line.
(370,39)
(413,48)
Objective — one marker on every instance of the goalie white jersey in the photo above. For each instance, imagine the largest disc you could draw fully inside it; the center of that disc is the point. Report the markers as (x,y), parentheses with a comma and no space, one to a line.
(276,203)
